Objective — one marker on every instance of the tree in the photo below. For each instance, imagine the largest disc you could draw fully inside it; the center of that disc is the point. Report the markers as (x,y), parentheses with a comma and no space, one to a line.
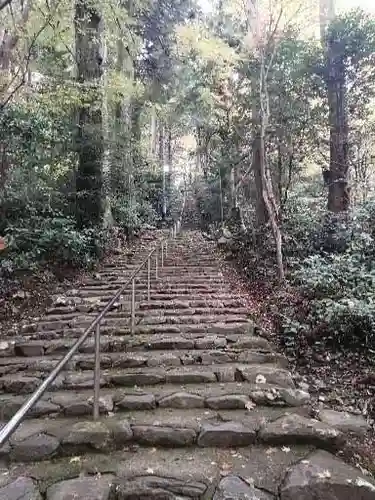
(90,143)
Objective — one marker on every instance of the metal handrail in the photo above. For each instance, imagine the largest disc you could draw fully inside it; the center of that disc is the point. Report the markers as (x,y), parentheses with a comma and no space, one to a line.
(7,431)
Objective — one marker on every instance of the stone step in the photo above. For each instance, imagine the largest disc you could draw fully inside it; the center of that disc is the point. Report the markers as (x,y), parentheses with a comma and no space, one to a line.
(24,347)
(257,472)
(162,288)
(165,358)
(192,304)
(124,319)
(107,294)
(167,272)
(24,383)
(145,309)
(228,396)
(123,344)
(43,439)
(155,299)
(231,330)
(169,265)
(141,279)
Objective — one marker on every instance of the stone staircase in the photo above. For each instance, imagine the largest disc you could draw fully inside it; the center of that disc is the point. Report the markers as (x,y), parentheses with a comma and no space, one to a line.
(194,405)
(191,219)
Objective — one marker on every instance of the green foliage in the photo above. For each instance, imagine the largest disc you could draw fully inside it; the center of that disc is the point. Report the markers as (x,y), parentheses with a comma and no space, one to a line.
(340,287)
(48,240)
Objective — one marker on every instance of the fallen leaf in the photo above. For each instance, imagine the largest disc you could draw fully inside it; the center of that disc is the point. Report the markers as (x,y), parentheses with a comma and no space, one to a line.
(324,475)
(250,405)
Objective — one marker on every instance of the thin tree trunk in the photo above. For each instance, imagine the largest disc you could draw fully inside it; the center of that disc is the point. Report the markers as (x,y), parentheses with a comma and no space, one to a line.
(269,203)
(154,128)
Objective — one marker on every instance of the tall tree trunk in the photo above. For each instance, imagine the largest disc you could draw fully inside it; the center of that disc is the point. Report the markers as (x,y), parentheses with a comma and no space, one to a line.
(89,180)
(107,216)
(253,37)
(136,111)
(161,158)
(338,191)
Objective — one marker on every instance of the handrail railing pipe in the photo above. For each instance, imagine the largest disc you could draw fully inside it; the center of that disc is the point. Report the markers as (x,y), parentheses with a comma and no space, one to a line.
(97,373)
(132,308)
(149,279)
(14,422)
(156,265)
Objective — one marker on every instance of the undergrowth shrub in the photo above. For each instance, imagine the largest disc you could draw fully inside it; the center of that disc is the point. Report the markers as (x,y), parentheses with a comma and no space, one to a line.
(340,287)
(48,240)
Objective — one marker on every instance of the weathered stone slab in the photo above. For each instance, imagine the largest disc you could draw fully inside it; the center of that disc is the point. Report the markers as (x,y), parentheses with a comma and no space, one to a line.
(23,488)
(181,400)
(257,358)
(135,401)
(190,377)
(232,487)
(279,396)
(121,430)
(72,404)
(226,435)
(19,384)
(210,342)
(164,359)
(169,343)
(156,488)
(324,477)
(153,435)
(344,421)
(6,349)
(83,488)
(228,402)
(139,378)
(89,433)
(295,429)
(130,360)
(294,397)
(266,374)
(34,448)
(35,348)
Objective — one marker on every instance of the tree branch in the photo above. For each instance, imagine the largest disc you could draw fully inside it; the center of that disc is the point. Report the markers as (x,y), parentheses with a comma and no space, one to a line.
(4,3)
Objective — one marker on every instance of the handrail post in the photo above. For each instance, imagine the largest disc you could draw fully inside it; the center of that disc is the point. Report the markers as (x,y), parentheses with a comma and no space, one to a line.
(133,308)
(166,249)
(162,254)
(97,373)
(156,264)
(149,279)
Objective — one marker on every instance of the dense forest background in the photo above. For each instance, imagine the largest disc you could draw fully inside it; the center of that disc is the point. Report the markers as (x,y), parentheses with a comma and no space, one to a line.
(264,111)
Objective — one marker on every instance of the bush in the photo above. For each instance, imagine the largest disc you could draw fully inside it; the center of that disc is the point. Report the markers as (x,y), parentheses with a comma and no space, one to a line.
(44,240)
(340,287)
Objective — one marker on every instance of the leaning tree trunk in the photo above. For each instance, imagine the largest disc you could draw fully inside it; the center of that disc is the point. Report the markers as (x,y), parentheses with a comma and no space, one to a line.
(90,143)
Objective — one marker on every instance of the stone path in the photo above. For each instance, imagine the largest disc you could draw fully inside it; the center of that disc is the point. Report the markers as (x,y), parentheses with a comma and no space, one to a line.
(194,405)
